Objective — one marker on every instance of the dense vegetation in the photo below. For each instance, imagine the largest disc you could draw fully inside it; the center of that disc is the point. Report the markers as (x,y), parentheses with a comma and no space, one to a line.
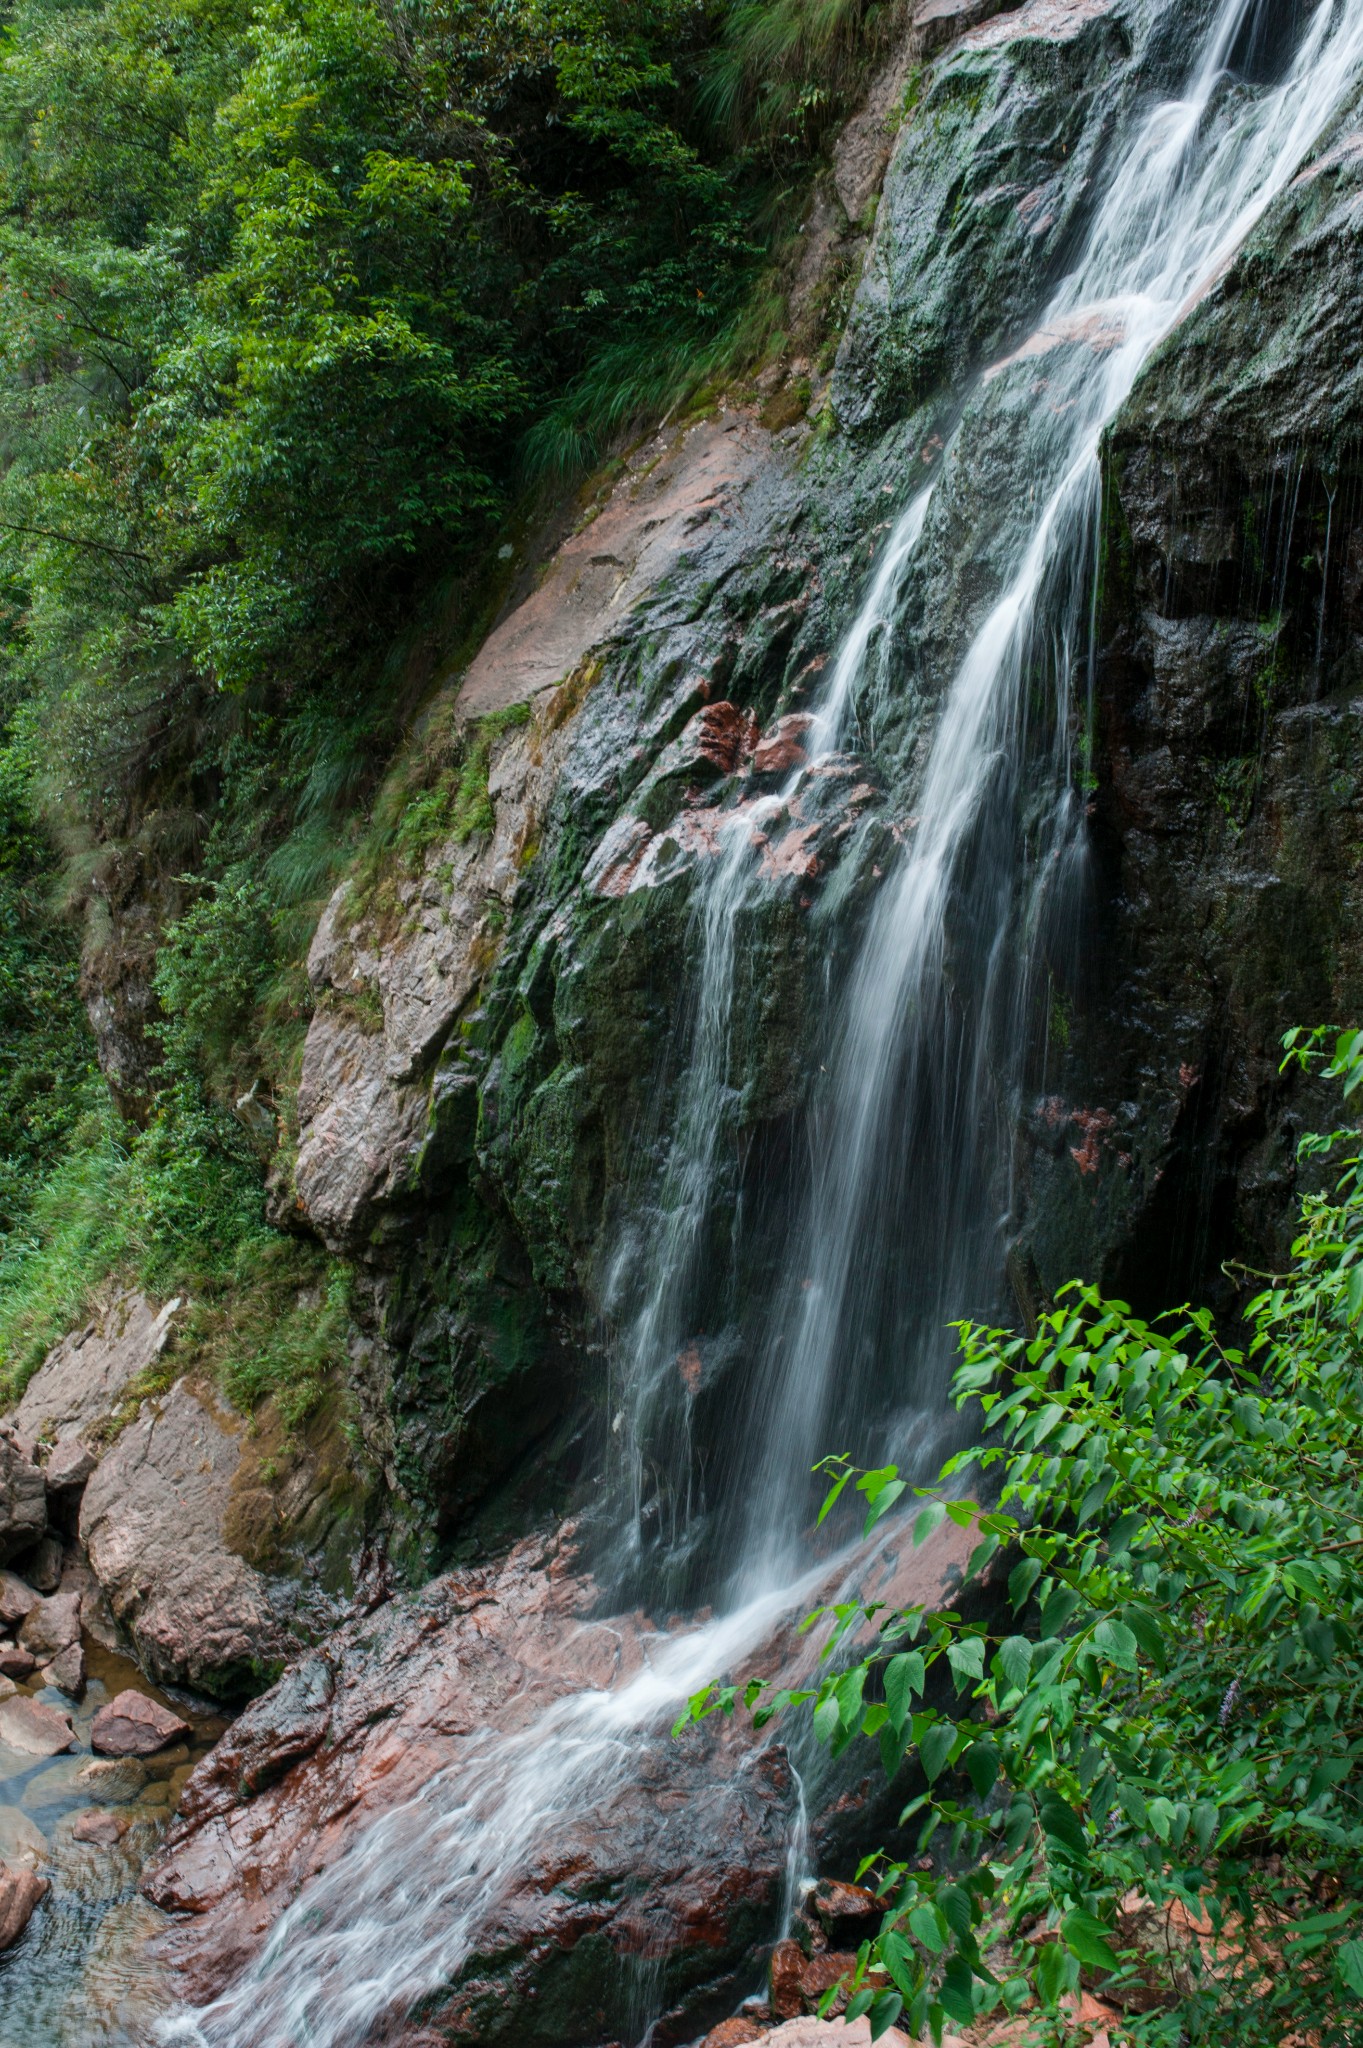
(300,306)
(1143,1771)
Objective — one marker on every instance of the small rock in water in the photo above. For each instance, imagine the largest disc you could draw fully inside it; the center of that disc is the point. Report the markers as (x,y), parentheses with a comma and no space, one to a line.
(35,1729)
(67,1671)
(21,1839)
(20,1891)
(43,1565)
(103,1829)
(53,1625)
(17,1598)
(15,1661)
(112,1778)
(133,1725)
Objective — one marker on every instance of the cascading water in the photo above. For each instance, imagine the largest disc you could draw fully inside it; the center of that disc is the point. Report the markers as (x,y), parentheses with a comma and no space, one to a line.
(897,1221)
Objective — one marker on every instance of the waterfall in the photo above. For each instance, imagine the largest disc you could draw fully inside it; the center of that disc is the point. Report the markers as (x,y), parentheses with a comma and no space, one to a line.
(898,1220)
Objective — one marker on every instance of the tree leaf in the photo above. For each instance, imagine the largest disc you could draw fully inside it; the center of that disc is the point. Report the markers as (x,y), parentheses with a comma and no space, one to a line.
(927,1926)
(1086,1938)
(1015,1661)
(935,1748)
(1115,1641)
(1062,1825)
(1349,1963)
(904,1676)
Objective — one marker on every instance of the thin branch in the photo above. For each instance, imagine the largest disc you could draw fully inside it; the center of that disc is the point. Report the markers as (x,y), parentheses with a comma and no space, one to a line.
(75,540)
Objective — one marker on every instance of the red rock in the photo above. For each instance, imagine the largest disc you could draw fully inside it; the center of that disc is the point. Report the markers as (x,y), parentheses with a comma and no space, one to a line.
(847,1912)
(733,2033)
(33,1728)
(783,749)
(133,1725)
(20,1891)
(103,1829)
(722,735)
(787,1968)
(16,1662)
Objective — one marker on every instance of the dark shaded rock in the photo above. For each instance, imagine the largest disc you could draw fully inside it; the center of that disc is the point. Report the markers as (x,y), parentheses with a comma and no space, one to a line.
(17,1598)
(134,1725)
(43,1564)
(23,1506)
(848,1913)
(20,1892)
(15,1661)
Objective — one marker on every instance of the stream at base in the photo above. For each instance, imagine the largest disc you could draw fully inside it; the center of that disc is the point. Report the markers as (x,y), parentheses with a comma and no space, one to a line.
(899,1198)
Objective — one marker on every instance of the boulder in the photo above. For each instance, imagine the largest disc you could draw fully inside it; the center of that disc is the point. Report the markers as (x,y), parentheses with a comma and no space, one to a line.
(15,1661)
(153,1521)
(799,1982)
(134,1725)
(33,1728)
(23,1501)
(82,1380)
(52,1625)
(20,1891)
(69,1465)
(16,1598)
(847,1913)
(67,1671)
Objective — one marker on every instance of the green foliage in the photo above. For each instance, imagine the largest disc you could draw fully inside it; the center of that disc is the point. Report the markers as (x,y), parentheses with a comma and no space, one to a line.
(1174,1711)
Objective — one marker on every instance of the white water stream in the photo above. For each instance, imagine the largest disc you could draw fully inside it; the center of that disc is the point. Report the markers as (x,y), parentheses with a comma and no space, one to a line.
(915,1060)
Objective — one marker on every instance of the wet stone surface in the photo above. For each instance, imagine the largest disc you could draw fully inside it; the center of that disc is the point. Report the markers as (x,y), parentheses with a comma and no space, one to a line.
(77,1977)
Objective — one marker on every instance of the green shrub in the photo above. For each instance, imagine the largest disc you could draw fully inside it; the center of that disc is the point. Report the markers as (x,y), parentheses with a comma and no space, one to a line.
(1175,1712)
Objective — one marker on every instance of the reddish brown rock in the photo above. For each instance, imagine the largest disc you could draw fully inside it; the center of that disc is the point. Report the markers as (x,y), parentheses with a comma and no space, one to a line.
(35,1729)
(733,2033)
(134,1725)
(782,749)
(16,1662)
(20,1891)
(799,1981)
(52,1625)
(102,1829)
(848,1913)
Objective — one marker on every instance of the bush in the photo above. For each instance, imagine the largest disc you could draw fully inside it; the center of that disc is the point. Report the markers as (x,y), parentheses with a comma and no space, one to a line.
(1171,1728)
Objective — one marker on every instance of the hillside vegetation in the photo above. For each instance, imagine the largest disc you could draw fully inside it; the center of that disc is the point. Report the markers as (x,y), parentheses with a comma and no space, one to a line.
(300,308)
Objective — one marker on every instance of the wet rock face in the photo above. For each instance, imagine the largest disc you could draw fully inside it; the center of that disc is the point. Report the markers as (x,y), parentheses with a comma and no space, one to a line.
(660,1873)
(683,1863)
(1224,902)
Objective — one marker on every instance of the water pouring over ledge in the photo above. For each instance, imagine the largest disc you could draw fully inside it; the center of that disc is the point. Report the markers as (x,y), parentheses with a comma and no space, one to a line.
(895,1220)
